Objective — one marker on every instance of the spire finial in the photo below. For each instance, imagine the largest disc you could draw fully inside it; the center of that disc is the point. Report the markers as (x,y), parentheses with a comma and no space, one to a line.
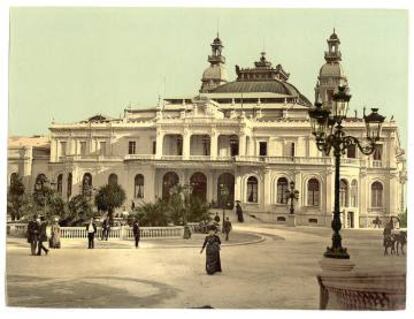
(334,30)
(218,27)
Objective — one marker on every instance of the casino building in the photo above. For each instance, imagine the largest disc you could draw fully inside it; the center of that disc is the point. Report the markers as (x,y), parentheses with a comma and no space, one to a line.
(250,136)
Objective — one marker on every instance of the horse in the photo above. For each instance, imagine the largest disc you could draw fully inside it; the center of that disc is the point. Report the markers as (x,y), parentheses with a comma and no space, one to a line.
(400,241)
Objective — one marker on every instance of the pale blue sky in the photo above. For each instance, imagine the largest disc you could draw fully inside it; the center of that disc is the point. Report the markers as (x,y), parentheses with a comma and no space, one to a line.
(71,63)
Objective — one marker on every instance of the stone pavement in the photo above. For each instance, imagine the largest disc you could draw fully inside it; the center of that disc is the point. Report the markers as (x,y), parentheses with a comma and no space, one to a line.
(278,272)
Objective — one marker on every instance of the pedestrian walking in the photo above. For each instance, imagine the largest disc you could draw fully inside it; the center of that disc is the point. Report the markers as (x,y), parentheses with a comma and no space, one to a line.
(106,227)
(212,245)
(42,237)
(239,212)
(33,229)
(217,219)
(227,228)
(91,229)
(137,232)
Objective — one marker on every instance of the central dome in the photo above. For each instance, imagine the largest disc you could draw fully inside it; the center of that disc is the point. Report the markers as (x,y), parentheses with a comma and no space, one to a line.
(271,86)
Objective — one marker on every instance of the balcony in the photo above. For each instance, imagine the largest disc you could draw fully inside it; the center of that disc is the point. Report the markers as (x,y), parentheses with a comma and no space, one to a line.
(141,157)
(90,158)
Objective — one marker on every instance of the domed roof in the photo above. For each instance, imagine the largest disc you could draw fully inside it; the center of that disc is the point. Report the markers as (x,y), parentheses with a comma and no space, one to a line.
(217,41)
(215,72)
(332,69)
(273,86)
(333,36)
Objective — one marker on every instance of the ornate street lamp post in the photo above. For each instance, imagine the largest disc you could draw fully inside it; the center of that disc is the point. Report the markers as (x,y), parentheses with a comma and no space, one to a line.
(329,133)
(186,193)
(224,197)
(292,195)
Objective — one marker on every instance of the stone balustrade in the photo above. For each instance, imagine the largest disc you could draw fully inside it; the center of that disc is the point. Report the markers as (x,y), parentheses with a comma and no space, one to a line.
(362,291)
(122,232)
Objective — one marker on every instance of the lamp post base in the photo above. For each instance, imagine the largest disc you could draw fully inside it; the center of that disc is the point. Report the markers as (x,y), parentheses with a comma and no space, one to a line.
(336,265)
(291,220)
(336,253)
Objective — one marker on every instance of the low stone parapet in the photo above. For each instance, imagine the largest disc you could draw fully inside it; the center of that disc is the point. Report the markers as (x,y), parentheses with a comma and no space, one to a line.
(362,291)
(121,232)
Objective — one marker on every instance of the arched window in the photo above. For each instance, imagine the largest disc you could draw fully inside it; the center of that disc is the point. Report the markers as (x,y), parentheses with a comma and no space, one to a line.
(59,184)
(313,192)
(354,193)
(13,178)
(343,193)
(169,180)
(139,186)
(113,179)
(376,194)
(282,187)
(69,186)
(40,182)
(252,189)
(87,185)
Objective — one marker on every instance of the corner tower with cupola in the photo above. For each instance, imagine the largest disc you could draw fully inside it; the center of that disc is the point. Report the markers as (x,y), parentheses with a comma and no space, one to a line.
(216,74)
(331,74)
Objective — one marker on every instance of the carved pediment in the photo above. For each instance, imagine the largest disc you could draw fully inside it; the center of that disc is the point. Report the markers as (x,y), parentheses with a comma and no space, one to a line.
(203,107)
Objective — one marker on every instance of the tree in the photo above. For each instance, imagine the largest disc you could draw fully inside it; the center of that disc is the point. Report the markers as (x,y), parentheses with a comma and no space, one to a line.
(79,211)
(109,197)
(48,203)
(183,207)
(16,198)
(198,211)
(403,219)
(153,214)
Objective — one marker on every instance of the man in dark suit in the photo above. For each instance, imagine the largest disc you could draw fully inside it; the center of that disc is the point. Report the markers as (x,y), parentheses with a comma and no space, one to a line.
(42,237)
(106,227)
(33,234)
(137,232)
(91,229)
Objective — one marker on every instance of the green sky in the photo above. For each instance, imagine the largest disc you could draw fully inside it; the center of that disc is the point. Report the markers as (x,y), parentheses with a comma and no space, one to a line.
(71,63)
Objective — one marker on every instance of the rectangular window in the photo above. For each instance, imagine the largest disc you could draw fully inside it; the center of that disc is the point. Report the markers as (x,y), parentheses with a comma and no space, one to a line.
(82,148)
(292,149)
(378,153)
(154,147)
(62,148)
(131,147)
(263,148)
(351,151)
(102,148)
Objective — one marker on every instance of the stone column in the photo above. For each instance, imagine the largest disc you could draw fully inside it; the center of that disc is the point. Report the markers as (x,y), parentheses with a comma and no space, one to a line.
(329,194)
(186,144)
(238,186)
(159,144)
(213,144)
(363,199)
(242,145)
(265,201)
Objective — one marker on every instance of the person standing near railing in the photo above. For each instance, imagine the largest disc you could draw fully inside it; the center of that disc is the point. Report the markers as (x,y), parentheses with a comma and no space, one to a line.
(106,227)
(91,229)
(137,232)
(33,234)
(42,237)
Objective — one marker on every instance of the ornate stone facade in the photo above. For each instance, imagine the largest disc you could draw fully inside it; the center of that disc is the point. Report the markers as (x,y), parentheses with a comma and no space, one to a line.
(251,135)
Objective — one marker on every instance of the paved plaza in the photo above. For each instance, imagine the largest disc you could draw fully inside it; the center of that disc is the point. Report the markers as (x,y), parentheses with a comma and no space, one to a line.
(264,266)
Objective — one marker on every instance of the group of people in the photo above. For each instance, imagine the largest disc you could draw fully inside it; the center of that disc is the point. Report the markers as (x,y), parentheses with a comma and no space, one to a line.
(36,236)
(92,229)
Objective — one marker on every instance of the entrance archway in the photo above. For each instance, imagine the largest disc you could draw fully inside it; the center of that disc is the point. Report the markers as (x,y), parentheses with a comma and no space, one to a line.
(169,180)
(198,183)
(225,180)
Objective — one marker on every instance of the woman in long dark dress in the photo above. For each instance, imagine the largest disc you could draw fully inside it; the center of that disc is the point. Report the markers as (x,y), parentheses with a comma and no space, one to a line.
(239,213)
(212,244)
